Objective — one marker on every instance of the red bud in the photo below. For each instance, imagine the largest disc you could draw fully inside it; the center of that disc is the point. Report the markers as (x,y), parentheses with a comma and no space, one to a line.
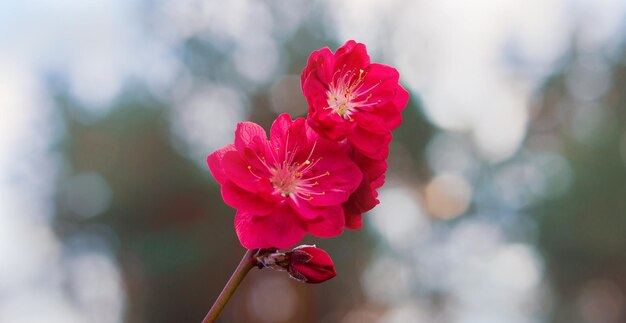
(310,264)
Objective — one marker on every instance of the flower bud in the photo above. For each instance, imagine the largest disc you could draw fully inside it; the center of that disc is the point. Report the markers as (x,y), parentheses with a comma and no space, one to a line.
(310,264)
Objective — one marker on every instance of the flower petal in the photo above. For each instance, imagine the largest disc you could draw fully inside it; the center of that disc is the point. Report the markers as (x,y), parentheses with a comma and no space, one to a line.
(361,201)
(343,178)
(401,99)
(371,168)
(329,124)
(289,136)
(319,66)
(240,172)
(354,221)
(247,135)
(243,200)
(372,145)
(214,161)
(352,55)
(389,114)
(330,224)
(280,229)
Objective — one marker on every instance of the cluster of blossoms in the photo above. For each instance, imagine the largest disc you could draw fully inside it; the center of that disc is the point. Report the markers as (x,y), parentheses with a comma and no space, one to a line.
(318,174)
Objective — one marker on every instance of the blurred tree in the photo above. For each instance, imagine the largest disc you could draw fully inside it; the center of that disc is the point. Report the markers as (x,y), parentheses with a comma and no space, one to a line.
(583,232)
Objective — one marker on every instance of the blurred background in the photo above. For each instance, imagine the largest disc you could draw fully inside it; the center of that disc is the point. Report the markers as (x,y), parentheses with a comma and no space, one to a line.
(506,191)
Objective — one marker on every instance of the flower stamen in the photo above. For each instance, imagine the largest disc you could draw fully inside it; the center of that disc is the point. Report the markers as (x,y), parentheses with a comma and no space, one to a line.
(343,95)
(291,178)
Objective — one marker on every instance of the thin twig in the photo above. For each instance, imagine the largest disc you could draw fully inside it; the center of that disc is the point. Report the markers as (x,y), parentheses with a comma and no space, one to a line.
(247,262)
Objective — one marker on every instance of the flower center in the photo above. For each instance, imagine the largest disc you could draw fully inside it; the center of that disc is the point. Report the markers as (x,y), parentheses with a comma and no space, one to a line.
(291,178)
(346,93)
(286,178)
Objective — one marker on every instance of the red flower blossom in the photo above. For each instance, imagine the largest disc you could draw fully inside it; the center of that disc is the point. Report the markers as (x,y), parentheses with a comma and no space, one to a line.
(310,264)
(365,196)
(349,97)
(286,186)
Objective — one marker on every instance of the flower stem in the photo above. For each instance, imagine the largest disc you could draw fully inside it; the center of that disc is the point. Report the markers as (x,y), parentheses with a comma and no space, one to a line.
(247,262)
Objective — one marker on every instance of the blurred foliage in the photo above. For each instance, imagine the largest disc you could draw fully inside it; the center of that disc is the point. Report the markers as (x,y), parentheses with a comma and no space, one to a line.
(583,232)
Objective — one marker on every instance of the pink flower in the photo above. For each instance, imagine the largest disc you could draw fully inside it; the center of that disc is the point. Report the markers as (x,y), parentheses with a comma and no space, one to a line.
(286,186)
(349,97)
(365,196)
(310,264)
